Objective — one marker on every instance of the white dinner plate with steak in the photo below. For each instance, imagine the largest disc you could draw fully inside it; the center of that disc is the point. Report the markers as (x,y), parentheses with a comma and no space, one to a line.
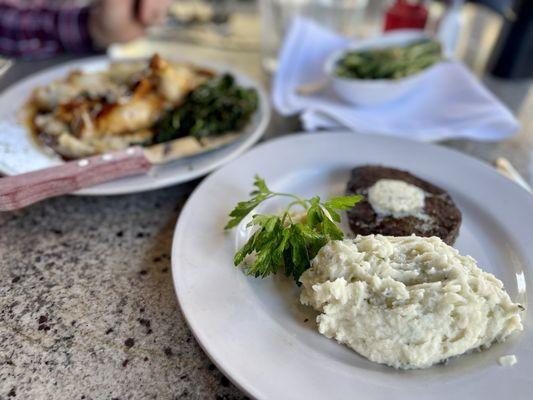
(261,336)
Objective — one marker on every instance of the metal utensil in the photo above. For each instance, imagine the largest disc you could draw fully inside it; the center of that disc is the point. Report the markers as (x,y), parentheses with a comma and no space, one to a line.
(310,88)
(22,190)
(5,64)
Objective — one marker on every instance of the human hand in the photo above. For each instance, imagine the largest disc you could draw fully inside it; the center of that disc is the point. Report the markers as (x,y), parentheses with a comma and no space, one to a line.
(112,21)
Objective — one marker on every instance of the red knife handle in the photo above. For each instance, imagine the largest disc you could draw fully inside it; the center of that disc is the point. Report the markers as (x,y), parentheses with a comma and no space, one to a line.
(22,190)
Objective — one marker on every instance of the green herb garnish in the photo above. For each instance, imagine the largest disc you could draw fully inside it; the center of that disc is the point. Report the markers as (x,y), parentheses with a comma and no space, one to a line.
(389,63)
(279,241)
(215,107)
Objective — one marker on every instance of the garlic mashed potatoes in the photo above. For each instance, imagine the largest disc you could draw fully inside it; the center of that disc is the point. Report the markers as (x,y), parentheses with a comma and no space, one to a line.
(408,302)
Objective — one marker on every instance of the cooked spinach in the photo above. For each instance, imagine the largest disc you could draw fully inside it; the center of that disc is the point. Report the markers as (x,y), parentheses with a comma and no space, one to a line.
(216,107)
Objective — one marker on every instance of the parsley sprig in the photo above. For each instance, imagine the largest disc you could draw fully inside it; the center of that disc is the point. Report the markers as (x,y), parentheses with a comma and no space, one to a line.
(282,241)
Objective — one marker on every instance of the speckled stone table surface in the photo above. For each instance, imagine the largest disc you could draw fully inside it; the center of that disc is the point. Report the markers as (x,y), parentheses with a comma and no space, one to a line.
(87,307)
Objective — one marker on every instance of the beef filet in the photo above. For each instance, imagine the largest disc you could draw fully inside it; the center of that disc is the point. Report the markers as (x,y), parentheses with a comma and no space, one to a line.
(443,216)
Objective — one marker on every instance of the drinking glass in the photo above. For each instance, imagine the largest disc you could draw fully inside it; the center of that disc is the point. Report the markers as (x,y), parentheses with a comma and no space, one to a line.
(348,17)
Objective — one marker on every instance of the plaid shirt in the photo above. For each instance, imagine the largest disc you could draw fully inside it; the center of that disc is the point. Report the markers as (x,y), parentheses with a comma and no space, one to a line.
(39,29)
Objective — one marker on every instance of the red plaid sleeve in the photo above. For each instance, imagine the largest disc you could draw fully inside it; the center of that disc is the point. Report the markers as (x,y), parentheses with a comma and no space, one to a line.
(41,30)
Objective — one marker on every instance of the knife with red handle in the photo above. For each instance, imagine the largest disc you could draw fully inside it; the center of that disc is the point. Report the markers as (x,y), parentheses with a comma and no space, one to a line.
(19,191)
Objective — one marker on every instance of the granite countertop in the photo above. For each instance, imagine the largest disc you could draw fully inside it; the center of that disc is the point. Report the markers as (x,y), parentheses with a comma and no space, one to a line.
(87,306)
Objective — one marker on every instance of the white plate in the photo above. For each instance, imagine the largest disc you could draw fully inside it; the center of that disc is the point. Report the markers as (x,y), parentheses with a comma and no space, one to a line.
(255,330)
(19,153)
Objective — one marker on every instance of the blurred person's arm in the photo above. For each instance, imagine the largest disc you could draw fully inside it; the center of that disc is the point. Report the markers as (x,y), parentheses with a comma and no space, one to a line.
(43,30)
(39,31)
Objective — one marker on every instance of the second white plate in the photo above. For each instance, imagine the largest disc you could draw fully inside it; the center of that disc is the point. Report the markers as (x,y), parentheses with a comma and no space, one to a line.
(19,153)
(256,331)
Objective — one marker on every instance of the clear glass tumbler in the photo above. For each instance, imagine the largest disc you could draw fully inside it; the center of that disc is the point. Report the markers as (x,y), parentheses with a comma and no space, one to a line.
(349,17)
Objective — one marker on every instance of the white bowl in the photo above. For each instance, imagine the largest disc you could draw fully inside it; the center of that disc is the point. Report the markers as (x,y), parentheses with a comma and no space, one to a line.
(367,92)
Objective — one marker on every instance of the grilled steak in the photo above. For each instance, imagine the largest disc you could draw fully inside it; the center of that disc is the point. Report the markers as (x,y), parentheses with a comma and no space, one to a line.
(442,217)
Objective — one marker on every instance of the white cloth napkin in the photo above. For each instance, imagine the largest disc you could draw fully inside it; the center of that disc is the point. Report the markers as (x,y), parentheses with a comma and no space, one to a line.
(451,103)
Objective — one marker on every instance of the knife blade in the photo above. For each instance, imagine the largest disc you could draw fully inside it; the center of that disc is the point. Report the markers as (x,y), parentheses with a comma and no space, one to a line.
(185,147)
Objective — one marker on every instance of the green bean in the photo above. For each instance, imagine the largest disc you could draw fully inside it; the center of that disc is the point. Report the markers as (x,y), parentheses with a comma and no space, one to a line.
(391,62)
